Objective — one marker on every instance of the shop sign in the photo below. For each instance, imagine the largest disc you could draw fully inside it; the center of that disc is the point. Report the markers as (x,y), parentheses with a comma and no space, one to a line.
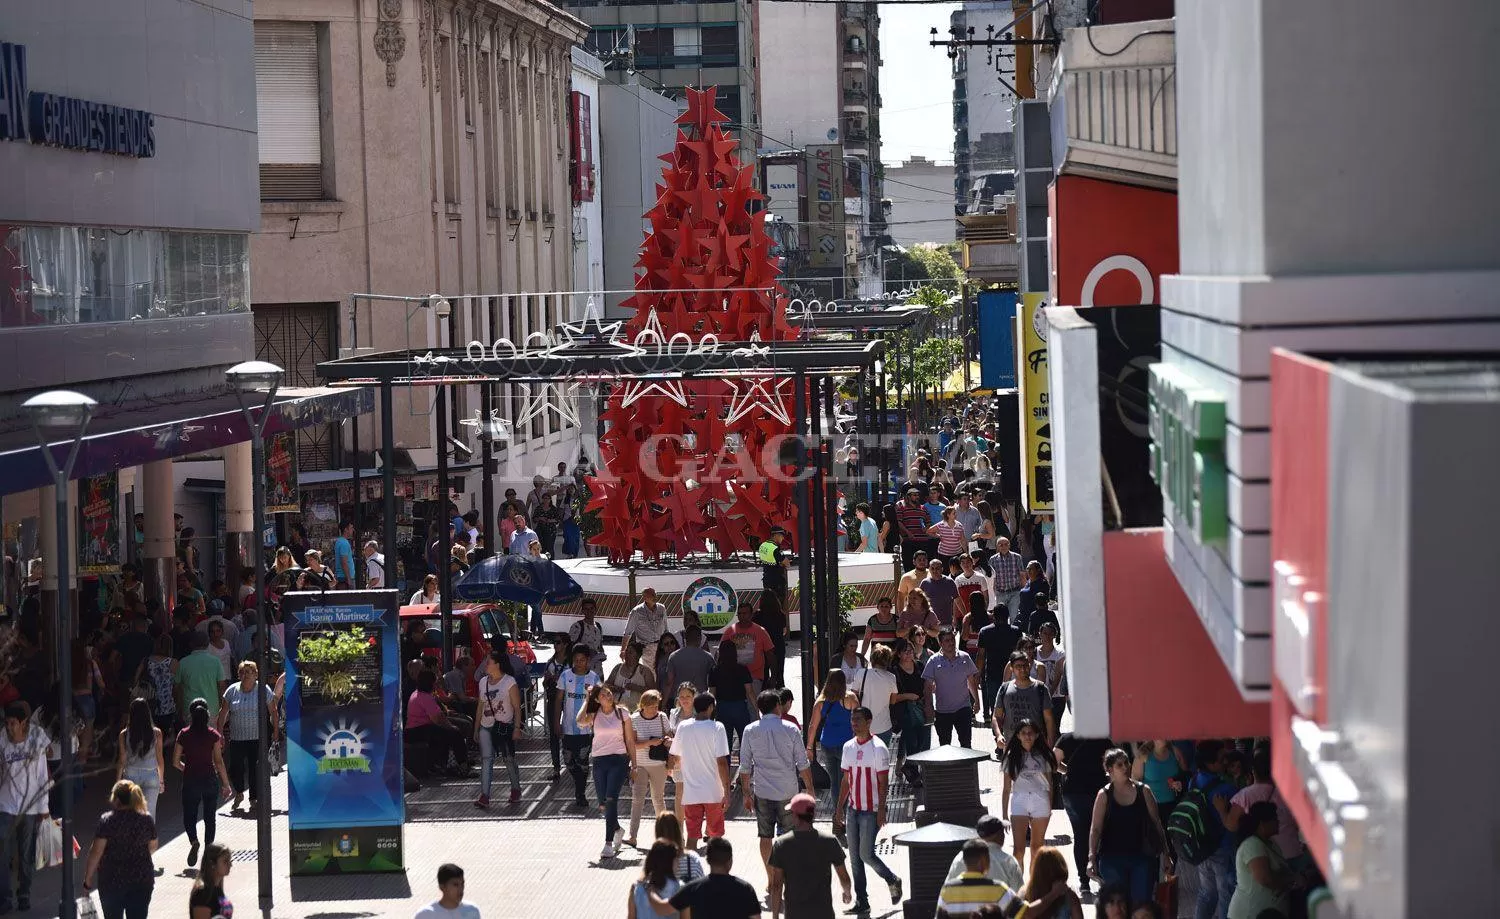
(1111,242)
(713,599)
(62,121)
(1036,425)
(281,474)
(1187,421)
(99,524)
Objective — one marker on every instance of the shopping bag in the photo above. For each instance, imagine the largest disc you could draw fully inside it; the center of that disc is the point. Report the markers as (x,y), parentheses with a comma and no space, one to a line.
(87,908)
(49,844)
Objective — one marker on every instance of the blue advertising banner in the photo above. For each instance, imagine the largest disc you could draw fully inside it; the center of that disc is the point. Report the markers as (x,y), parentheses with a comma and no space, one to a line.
(997,347)
(343,726)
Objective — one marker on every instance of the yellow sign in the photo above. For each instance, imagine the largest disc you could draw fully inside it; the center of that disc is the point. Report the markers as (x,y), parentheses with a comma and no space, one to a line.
(1036,426)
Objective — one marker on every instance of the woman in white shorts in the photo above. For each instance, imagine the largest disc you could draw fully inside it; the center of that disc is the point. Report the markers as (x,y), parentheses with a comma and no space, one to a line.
(1027,797)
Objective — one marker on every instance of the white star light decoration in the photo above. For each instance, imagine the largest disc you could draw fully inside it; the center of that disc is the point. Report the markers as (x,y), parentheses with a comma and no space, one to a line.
(550,397)
(763,393)
(639,389)
(591,327)
(498,428)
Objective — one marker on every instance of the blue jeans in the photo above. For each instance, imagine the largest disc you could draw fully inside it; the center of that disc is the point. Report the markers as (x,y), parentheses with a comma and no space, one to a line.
(833,764)
(494,742)
(610,773)
(536,626)
(1136,873)
(862,831)
(17,840)
(1215,877)
(735,716)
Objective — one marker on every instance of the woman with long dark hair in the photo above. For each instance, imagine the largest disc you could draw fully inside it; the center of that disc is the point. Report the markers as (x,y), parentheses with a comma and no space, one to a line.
(656,877)
(140,759)
(199,756)
(831,728)
(496,724)
(208,899)
(733,689)
(120,858)
(613,756)
(1027,797)
(890,533)
(1049,869)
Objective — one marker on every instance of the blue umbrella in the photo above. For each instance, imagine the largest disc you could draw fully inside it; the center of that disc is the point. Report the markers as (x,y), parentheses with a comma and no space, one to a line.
(519,578)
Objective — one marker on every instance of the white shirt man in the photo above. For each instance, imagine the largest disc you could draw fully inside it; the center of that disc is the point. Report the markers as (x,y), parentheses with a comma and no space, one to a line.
(700,750)
(374,566)
(646,624)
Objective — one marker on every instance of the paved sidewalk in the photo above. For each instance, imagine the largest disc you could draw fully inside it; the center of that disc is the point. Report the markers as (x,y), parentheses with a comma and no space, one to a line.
(537,858)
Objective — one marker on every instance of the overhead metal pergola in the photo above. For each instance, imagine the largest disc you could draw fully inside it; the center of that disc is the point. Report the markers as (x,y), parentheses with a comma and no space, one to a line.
(600,357)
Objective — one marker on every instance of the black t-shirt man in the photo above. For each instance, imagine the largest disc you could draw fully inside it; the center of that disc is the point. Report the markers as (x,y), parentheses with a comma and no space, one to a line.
(718,896)
(1085,761)
(997,640)
(807,859)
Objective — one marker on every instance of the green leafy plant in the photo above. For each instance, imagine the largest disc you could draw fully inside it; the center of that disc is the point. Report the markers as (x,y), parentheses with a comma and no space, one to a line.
(849,598)
(326,659)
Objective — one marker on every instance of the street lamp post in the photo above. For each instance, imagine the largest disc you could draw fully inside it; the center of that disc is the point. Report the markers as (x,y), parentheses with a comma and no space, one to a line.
(253,377)
(62,414)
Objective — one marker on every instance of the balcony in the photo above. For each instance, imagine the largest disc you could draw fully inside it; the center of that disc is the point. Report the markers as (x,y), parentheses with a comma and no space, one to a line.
(856,101)
(1115,117)
(989,244)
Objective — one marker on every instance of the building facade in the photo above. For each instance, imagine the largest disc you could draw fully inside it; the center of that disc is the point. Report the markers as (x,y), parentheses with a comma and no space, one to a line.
(637,126)
(416,148)
(1315,387)
(671,46)
(983,126)
(125,226)
(921,208)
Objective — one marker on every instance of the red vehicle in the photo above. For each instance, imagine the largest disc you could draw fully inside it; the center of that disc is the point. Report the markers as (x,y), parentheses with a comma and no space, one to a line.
(475,626)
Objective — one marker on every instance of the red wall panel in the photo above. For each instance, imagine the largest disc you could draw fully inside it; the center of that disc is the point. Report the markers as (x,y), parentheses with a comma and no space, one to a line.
(1094,220)
(1165,677)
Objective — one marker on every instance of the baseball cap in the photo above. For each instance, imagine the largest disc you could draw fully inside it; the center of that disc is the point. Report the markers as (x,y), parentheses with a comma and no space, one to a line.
(989,825)
(802,805)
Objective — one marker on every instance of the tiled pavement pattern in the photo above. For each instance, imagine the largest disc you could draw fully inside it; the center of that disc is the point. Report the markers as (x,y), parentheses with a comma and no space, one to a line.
(539,858)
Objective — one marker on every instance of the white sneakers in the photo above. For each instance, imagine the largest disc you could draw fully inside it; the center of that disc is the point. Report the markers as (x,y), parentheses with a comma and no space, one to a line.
(613,846)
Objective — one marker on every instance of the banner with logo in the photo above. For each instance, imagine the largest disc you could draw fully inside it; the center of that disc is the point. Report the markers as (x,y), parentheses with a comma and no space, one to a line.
(343,728)
(1036,426)
(99,524)
(281,474)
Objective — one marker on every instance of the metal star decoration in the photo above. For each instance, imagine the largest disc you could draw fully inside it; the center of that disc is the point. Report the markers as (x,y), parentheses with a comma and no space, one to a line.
(763,393)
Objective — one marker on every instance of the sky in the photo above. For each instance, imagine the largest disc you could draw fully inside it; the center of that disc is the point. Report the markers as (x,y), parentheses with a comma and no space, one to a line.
(916,84)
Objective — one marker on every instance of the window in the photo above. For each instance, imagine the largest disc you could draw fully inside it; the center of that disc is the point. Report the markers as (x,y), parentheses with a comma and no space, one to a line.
(721,46)
(289,111)
(654,47)
(728,102)
(447,87)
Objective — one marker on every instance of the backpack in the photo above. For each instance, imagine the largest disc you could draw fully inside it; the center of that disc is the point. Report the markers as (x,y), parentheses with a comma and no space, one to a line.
(1194,826)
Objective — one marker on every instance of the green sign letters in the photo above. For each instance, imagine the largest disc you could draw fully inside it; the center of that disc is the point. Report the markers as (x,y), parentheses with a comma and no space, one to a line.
(1187,450)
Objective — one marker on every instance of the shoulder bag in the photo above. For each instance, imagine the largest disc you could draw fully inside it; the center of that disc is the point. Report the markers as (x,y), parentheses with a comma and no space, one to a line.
(659,752)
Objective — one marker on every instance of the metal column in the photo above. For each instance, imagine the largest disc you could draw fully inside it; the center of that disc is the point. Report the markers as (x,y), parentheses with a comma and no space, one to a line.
(388,486)
(490,527)
(359,528)
(802,488)
(445,581)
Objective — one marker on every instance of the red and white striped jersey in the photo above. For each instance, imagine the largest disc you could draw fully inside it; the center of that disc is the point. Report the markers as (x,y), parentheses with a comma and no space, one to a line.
(864,764)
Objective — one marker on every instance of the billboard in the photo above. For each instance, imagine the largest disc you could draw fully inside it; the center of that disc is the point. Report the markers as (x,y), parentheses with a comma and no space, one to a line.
(1035,426)
(343,732)
(997,344)
(783,188)
(281,474)
(99,524)
(825,206)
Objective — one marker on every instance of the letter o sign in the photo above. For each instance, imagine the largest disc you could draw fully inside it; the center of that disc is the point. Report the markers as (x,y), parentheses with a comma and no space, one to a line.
(1118,263)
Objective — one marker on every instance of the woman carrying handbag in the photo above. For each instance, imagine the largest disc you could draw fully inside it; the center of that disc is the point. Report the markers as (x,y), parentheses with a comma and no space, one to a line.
(1126,838)
(652,741)
(496,725)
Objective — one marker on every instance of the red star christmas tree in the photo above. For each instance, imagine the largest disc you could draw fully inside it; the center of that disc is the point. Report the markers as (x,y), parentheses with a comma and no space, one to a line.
(693,461)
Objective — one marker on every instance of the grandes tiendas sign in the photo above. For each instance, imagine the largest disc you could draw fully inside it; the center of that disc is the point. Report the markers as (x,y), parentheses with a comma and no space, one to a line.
(343,731)
(1187,423)
(63,121)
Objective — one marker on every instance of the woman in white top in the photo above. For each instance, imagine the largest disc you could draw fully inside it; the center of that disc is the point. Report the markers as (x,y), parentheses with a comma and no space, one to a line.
(613,754)
(496,725)
(850,660)
(428,593)
(651,733)
(875,687)
(1026,799)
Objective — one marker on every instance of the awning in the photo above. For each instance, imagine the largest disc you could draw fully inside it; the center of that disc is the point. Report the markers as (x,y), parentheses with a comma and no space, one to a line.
(132,433)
